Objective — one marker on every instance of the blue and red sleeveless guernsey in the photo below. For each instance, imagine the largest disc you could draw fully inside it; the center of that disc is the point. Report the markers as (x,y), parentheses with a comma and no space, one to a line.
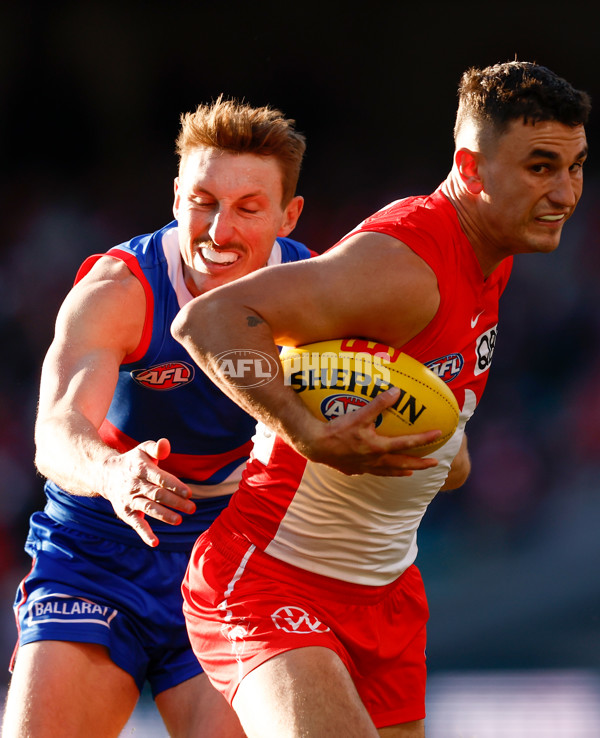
(161,392)
(363,529)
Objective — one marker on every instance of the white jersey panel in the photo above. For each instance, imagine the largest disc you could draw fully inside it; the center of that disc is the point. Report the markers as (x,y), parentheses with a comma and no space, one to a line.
(360,528)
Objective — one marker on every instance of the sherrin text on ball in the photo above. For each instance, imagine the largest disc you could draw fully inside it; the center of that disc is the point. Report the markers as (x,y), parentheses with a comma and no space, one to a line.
(339,376)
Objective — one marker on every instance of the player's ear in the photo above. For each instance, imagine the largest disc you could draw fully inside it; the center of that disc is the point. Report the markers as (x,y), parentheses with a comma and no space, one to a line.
(467,166)
(176,197)
(291,214)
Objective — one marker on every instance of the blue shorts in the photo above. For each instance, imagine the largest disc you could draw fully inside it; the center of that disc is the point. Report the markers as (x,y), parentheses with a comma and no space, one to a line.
(88,589)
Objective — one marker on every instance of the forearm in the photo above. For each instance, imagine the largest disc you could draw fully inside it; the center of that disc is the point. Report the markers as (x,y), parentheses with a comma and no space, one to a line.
(273,403)
(70,452)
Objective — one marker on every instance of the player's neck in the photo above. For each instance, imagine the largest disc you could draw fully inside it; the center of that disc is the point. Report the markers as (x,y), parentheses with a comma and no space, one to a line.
(465,203)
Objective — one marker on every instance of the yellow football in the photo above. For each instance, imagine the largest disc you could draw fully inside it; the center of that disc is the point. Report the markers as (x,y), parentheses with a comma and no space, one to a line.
(339,376)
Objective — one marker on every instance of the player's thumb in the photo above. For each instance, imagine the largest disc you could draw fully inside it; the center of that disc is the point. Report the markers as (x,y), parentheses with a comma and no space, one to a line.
(156,449)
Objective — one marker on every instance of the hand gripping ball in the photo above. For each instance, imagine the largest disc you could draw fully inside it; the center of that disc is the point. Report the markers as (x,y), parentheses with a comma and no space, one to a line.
(339,376)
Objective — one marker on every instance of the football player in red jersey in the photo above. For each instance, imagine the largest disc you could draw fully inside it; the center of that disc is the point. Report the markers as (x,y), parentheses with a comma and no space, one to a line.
(302,600)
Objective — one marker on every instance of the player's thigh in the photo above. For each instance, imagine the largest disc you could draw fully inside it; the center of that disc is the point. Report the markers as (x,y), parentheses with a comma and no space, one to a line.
(305,692)
(414,729)
(194,709)
(67,690)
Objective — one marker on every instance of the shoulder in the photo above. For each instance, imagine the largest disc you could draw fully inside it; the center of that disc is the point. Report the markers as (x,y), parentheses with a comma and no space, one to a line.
(108,287)
(104,310)
(106,268)
(427,225)
(386,255)
(420,214)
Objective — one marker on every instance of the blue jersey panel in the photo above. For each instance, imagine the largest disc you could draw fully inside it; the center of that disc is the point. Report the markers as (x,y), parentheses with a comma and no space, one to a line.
(160,392)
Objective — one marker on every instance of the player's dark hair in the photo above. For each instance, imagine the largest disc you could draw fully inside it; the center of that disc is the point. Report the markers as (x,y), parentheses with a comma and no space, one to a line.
(496,95)
(231,125)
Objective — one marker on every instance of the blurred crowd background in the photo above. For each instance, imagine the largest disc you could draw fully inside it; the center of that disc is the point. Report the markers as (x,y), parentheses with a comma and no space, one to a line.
(90,97)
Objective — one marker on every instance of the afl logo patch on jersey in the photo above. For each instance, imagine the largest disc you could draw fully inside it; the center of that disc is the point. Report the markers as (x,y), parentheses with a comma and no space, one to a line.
(448,367)
(167,376)
(333,406)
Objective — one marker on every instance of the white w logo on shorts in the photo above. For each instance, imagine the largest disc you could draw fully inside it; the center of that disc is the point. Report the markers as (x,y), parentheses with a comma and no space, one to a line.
(296,620)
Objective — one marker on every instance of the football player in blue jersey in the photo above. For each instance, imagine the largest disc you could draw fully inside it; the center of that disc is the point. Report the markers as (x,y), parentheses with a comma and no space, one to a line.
(140,448)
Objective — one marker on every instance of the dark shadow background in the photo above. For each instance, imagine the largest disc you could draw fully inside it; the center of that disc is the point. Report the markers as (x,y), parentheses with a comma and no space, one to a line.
(90,97)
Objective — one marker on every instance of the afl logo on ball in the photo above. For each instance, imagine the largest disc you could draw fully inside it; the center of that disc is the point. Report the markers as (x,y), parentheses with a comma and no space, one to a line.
(167,376)
(333,406)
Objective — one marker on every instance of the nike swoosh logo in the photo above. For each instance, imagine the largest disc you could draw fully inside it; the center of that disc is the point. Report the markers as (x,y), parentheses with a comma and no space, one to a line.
(476,318)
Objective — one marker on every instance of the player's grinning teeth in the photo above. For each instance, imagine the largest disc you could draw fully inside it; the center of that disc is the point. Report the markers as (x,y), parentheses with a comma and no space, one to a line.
(551,217)
(219,257)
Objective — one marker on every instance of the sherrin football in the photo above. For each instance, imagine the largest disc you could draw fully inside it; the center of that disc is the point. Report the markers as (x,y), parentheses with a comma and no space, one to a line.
(339,376)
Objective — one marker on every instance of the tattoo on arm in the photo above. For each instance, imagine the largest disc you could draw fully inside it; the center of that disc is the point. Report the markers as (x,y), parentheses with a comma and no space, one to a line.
(253,321)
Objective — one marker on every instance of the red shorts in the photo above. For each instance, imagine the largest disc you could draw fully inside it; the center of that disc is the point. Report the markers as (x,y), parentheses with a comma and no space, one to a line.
(243,607)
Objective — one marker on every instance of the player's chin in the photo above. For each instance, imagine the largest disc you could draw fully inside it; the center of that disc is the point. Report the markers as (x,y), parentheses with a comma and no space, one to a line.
(543,243)
(547,245)
(547,237)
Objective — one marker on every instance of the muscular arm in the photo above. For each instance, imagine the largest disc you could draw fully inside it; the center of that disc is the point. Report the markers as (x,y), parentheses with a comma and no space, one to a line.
(460,469)
(372,286)
(99,323)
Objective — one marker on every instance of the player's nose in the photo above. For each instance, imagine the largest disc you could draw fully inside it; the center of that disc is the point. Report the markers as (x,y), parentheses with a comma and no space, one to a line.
(221,229)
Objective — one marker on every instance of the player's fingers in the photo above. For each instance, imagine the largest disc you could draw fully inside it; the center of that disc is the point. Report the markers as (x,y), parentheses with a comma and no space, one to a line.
(157,450)
(369,413)
(167,497)
(163,448)
(167,490)
(141,526)
(401,464)
(390,465)
(402,444)
(142,503)
(154,475)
